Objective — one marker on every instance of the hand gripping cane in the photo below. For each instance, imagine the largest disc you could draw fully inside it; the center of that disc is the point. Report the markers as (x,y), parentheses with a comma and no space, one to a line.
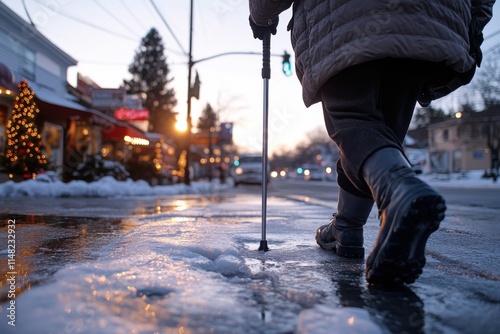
(266,75)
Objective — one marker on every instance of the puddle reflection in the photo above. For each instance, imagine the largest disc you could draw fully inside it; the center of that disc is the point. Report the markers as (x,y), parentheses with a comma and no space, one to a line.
(44,244)
(398,309)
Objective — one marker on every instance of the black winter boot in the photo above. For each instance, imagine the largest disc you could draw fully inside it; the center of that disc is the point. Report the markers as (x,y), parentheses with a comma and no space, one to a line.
(344,234)
(409,209)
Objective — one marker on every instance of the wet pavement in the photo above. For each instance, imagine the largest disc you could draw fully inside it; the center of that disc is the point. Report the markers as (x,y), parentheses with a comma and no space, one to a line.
(63,245)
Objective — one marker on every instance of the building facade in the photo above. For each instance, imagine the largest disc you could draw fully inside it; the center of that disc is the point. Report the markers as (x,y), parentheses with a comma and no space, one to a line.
(71,127)
(470,141)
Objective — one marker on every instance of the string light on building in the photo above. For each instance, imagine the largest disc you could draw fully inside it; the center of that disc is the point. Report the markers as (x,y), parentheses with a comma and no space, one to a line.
(136,141)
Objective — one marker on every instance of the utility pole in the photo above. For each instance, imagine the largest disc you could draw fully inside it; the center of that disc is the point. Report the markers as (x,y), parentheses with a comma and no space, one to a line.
(191,63)
(187,176)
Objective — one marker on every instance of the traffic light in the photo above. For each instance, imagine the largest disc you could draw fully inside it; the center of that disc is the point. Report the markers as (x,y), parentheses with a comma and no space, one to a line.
(286,65)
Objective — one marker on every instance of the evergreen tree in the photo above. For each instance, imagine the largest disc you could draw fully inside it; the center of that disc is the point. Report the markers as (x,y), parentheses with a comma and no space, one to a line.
(24,143)
(208,118)
(150,76)
(208,122)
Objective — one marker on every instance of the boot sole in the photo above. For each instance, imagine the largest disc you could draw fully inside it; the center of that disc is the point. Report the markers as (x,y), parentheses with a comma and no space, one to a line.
(400,257)
(343,251)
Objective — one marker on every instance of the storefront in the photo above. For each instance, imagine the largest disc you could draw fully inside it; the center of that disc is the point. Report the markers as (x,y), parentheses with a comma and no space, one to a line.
(70,131)
(119,140)
(152,160)
(53,141)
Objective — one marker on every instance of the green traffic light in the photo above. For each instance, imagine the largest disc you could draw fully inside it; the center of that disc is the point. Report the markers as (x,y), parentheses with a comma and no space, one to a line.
(286,64)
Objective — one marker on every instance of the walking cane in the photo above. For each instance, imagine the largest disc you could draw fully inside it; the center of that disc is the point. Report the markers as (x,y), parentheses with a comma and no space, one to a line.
(266,75)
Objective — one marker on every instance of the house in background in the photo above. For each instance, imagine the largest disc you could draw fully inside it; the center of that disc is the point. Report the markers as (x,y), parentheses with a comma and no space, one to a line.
(470,141)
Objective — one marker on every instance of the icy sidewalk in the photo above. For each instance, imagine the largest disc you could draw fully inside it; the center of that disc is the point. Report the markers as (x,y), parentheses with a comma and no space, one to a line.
(196,269)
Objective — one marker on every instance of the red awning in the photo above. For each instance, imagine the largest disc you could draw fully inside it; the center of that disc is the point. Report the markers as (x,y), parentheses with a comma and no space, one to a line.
(117,132)
(59,114)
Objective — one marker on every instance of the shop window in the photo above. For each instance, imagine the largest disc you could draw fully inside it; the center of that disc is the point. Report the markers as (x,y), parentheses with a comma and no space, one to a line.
(113,151)
(52,138)
(88,138)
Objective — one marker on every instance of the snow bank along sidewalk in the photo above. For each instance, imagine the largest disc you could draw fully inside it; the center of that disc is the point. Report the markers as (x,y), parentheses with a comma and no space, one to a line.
(44,186)
(105,187)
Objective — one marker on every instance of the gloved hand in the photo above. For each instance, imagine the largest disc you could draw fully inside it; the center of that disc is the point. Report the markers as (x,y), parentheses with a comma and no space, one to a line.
(260,31)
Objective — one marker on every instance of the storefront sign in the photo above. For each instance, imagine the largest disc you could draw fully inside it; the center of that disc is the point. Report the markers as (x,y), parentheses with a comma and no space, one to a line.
(108,97)
(132,114)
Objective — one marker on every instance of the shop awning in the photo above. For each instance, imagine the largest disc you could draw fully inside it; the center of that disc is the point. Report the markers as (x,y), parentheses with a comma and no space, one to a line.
(122,131)
(59,109)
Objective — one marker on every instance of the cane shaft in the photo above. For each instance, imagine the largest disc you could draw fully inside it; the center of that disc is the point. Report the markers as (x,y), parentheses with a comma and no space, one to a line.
(266,75)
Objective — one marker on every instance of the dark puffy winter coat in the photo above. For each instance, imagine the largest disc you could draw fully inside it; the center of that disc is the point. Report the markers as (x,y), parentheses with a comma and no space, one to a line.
(331,35)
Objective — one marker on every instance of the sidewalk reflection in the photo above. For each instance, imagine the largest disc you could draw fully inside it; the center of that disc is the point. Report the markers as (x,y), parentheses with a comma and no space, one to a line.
(399,309)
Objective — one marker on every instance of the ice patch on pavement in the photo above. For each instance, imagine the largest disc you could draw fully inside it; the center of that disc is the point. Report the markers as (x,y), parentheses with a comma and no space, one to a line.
(347,320)
(159,277)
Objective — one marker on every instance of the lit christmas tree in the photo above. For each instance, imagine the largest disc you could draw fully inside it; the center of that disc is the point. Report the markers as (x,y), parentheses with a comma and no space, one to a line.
(24,143)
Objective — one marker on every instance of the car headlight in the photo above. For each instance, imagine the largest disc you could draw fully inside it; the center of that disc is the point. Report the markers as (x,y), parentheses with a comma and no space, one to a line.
(238,171)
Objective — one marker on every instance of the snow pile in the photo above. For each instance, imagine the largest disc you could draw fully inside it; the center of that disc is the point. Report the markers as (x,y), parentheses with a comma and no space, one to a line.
(105,187)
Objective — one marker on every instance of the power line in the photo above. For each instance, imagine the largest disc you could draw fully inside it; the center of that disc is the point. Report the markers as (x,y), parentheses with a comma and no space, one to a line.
(85,23)
(114,17)
(168,27)
(127,8)
(27,13)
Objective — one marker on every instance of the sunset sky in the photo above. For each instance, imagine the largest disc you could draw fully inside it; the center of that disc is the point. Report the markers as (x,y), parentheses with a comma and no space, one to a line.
(104,35)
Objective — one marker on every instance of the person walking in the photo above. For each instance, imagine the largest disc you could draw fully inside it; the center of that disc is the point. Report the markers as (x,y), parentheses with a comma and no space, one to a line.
(369,63)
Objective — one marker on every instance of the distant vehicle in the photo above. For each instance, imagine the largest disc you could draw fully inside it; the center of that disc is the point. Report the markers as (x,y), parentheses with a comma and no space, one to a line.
(248,169)
(312,172)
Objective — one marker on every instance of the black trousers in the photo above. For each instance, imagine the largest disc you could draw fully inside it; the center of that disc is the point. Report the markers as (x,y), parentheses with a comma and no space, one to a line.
(368,107)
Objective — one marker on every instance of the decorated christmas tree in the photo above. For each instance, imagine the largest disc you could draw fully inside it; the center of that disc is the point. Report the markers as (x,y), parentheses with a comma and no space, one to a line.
(24,142)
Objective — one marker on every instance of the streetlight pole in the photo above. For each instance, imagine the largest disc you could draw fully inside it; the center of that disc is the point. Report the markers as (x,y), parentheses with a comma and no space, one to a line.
(187,176)
(191,63)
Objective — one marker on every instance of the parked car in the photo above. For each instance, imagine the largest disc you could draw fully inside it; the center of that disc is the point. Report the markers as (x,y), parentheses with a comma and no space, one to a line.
(312,172)
(248,169)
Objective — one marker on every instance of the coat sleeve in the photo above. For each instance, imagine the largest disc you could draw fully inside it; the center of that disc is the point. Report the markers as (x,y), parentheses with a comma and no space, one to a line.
(265,12)
(484,11)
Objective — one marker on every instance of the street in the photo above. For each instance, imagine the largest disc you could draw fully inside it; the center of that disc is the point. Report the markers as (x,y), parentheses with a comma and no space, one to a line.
(189,263)
(488,198)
